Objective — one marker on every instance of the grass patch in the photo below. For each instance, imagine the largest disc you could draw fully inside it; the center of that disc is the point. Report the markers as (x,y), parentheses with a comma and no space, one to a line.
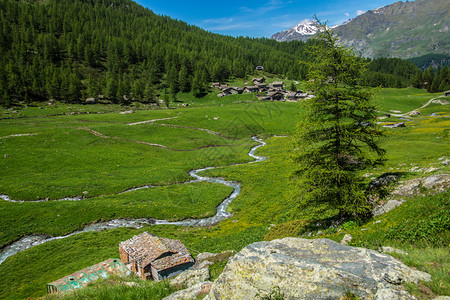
(63,161)
(403,100)
(120,288)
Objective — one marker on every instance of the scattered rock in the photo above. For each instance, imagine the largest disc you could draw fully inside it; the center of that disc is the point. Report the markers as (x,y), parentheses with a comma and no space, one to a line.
(346,239)
(442,298)
(382,180)
(382,209)
(190,278)
(393,294)
(213,257)
(130,283)
(441,102)
(431,169)
(193,292)
(384,249)
(446,162)
(311,269)
(203,265)
(126,112)
(438,183)
(204,256)
(395,125)
(6,155)
(414,113)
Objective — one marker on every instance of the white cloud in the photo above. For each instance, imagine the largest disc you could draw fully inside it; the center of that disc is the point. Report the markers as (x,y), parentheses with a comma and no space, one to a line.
(360,12)
(347,14)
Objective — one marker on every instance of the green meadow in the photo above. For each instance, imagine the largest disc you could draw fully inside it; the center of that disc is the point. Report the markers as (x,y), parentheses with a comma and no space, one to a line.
(97,156)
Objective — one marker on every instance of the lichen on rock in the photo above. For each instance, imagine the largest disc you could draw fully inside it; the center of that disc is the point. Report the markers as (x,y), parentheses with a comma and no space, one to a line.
(311,269)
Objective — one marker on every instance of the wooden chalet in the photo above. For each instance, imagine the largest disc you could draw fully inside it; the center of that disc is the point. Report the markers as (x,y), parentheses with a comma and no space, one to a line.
(258,80)
(262,87)
(151,256)
(447,93)
(274,96)
(236,90)
(295,96)
(251,89)
(278,85)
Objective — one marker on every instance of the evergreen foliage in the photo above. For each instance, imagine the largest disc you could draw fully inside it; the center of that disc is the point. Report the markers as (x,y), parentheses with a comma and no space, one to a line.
(337,135)
(389,72)
(71,50)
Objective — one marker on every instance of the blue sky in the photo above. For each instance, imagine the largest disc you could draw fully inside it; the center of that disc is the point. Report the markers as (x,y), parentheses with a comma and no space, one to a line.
(259,18)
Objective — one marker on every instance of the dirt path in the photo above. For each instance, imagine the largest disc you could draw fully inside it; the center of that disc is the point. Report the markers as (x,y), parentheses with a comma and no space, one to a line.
(151,121)
(423,106)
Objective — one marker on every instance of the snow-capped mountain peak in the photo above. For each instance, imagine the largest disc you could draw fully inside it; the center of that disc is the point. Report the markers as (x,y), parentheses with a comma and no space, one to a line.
(306,27)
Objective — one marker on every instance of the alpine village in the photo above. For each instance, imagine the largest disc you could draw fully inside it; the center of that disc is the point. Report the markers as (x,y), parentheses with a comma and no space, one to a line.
(143,157)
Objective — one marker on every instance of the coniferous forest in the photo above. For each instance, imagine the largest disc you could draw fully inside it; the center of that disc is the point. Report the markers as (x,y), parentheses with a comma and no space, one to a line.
(73,50)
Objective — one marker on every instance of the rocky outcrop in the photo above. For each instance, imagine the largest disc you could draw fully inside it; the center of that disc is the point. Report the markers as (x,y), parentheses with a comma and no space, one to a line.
(388,206)
(191,293)
(312,269)
(435,183)
(190,278)
(438,183)
(197,279)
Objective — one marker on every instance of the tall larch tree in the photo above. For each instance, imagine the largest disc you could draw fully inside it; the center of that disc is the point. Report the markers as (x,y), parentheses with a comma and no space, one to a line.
(337,136)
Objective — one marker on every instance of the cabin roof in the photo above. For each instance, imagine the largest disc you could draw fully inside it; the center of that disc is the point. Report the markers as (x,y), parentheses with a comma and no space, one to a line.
(146,249)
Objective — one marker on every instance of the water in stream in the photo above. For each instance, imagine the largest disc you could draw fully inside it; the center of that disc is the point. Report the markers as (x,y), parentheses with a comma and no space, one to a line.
(221,213)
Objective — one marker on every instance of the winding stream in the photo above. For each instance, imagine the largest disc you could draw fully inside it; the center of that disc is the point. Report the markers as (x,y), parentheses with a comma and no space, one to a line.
(221,213)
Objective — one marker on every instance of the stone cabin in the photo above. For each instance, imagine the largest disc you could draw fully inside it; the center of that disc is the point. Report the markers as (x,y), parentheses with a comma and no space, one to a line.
(154,257)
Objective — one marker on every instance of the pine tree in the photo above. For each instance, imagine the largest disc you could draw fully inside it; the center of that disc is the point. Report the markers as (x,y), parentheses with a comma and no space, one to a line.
(337,136)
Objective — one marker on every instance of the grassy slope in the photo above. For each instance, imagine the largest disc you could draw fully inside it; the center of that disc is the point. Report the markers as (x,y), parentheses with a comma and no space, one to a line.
(266,195)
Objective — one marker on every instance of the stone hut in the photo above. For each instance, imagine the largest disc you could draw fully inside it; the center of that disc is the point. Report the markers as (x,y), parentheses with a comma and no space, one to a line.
(154,257)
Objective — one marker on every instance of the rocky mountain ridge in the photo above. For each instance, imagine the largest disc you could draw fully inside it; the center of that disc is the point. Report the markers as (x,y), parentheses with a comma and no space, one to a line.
(402,29)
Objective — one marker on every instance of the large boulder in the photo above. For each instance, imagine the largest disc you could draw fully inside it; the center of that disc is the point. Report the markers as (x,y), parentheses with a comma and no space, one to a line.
(311,269)
(192,292)
(190,278)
